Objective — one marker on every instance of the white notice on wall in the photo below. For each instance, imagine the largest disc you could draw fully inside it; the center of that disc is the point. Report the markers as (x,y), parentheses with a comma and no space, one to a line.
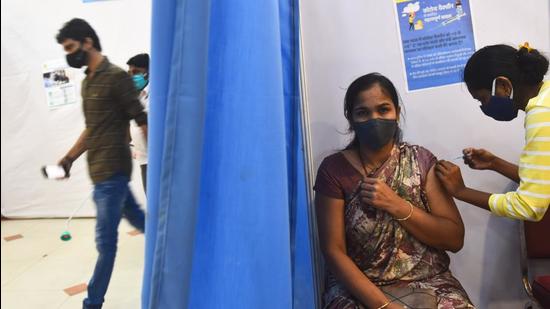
(59,83)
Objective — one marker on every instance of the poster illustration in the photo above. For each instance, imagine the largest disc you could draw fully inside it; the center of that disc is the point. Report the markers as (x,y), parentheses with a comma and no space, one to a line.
(436,41)
(59,83)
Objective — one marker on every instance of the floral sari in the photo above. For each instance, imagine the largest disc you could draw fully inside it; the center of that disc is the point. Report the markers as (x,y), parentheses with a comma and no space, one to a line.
(386,253)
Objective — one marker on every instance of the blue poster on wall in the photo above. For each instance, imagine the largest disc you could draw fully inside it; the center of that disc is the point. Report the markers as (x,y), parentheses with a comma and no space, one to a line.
(436,40)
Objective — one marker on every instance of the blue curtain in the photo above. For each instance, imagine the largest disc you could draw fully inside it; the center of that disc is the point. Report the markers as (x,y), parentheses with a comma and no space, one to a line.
(227,223)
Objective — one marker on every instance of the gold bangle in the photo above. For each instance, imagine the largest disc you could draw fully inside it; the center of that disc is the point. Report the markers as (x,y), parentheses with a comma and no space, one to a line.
(384,305)
(409,215)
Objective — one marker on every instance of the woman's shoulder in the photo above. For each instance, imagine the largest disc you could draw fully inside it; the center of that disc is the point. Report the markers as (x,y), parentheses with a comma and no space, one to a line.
(334,160)
(338,166)
(336,177)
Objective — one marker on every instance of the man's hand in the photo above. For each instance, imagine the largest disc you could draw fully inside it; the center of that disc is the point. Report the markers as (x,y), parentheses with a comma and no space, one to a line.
(66,163)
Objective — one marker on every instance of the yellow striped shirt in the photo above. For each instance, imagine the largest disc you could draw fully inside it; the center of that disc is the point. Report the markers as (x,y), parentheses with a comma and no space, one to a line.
(531,199)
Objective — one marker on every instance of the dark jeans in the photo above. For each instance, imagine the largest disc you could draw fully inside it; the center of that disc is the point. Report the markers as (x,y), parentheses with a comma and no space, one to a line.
(113,200)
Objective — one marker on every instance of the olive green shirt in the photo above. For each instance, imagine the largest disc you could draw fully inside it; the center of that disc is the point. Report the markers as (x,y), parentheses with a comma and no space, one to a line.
(110,101)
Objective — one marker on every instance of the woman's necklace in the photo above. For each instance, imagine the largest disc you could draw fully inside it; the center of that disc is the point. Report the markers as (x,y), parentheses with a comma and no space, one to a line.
(364,165)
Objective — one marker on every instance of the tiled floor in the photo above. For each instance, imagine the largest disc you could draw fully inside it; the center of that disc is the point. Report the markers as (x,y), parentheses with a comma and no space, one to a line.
(38,267)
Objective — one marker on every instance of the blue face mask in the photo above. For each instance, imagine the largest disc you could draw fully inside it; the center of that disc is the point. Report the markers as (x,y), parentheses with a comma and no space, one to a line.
(499,108)
(140,81)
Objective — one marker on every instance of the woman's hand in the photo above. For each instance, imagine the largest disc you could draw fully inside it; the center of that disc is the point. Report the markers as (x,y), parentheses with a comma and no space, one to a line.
(450,177)
(377,193)
(479,159)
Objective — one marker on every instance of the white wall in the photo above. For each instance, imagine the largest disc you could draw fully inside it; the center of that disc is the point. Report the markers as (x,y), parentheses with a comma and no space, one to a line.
(346,39)
(32,134)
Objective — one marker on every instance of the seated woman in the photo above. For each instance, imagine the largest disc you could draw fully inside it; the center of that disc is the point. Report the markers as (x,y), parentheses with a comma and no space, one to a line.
(384,220)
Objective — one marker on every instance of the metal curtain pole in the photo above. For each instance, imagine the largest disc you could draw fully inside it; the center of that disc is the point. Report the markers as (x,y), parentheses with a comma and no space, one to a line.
(318,273)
